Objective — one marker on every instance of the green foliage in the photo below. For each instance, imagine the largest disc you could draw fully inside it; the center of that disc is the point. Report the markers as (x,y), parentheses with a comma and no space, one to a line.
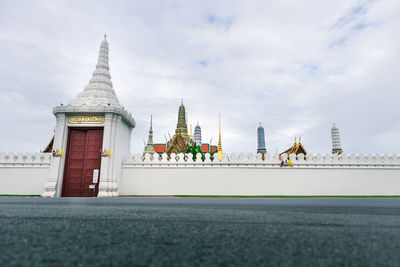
(194,149)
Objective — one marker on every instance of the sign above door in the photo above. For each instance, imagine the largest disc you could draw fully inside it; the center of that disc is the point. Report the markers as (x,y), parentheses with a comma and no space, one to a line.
(84,120)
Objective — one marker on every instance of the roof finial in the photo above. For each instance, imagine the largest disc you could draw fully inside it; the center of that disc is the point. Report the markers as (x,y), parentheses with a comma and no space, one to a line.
(151,120)
(105,36)
(181,101)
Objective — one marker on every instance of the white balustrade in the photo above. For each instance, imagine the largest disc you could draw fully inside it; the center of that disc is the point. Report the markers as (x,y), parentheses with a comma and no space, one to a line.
(198,157)
(308,160)
(207,157)
(189,158)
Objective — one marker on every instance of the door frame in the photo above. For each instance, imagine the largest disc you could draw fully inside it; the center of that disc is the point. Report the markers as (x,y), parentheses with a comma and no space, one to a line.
(84,128)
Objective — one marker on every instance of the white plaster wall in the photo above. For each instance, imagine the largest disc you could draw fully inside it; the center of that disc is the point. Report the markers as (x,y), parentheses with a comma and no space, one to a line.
(252,181)
(23,181)
(23,173)
(123,145)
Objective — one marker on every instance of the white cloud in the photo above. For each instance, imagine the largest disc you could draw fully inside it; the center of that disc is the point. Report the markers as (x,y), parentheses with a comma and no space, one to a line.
(294,66)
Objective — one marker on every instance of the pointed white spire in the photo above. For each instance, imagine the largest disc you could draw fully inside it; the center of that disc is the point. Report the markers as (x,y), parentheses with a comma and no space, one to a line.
(149,148)
(99,91)
(98,95)
(197,134)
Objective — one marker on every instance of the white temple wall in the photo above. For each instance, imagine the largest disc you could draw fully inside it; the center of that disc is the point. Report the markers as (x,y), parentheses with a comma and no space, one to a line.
(253,181)
(123,144)
(348,175)
(23,173)
(338,175)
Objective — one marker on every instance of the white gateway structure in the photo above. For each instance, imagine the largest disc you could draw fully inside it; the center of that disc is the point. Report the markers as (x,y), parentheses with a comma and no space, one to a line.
(87,129)
(91,158)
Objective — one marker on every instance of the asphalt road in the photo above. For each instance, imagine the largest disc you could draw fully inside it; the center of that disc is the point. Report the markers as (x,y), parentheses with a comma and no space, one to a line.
(199,232)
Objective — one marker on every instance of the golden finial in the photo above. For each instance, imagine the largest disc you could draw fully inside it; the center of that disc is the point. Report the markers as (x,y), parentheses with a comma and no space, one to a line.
(191,133)
(219,141)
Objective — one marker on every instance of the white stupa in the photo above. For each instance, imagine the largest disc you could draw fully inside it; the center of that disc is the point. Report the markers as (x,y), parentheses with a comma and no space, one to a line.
(197,135)
(336,146)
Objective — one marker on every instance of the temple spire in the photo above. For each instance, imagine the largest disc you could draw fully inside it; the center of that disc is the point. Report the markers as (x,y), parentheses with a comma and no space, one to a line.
(219,140)
(336,145)
(99,91)
(150,145)
(197,134)
(261,139)
(181,127)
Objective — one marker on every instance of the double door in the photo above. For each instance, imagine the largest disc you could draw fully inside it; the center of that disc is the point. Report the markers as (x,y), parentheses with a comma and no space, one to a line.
(82,163)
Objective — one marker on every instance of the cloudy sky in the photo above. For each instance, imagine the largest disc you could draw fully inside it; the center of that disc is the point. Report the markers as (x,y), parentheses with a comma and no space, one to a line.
(295,66)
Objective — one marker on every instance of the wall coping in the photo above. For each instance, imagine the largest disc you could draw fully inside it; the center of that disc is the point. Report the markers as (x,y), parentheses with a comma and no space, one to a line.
(366,161)
(25,159)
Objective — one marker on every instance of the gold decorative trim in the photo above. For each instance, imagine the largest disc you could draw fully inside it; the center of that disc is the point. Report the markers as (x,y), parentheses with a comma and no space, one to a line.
(95,119)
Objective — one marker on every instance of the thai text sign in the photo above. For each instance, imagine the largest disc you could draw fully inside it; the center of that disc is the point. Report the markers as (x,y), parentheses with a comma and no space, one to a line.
(86,119)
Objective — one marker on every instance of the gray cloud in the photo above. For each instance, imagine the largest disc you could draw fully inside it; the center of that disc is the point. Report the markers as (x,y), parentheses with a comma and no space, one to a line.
(296,67)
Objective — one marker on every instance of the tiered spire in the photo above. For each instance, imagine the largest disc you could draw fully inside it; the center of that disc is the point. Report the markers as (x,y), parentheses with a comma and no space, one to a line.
(261,139)
(219,140)
(336,146)
(150,145)
(197,134)
(99,91)
(181,127)
(98,96)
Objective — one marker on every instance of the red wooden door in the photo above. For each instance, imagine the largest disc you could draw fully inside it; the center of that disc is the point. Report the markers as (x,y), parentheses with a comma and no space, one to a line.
(82,158)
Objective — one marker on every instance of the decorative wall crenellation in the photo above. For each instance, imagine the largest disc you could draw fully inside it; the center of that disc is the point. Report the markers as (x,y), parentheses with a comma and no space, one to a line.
(28,159)
(300,160)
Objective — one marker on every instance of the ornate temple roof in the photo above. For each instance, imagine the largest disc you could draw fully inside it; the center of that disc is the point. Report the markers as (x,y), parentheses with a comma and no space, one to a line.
(98,96)
(296,148)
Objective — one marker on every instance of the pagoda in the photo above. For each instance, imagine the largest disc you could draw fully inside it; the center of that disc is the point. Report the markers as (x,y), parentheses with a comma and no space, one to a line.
(336,146)
(261,140)
(150,146)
